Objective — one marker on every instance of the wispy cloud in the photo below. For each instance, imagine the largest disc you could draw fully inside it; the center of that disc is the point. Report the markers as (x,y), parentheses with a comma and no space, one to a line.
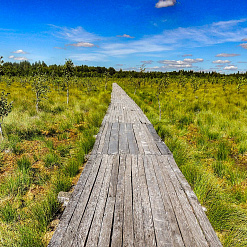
(92,57)
(187,55)
(59,48)
(215,33)
(165,3)
(125,36)
(180,64)
(231,67)
(74,34)
(18,58)
(154,68)
(147,62)
(20,52)
(227,55)
(140,46)
(244,45)
(82,44)
(230,23)
(190,37)
(221,61)
(7,30)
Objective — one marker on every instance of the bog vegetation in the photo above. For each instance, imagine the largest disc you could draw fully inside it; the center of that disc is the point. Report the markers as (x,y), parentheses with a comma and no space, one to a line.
(53,113)
(204,123)
(46,139)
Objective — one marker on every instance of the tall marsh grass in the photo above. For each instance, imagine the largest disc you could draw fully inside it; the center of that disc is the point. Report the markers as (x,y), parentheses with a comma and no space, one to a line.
(41,154)
(206,129)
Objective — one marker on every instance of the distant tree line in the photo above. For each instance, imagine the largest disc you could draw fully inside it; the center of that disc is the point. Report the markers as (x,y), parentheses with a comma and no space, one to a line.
(25,68)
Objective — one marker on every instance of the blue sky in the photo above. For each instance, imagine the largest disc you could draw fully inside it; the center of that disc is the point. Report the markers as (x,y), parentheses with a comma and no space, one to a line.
(166,35)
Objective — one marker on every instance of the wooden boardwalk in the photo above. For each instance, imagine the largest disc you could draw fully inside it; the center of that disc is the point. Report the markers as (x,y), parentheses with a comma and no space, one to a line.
(131,192)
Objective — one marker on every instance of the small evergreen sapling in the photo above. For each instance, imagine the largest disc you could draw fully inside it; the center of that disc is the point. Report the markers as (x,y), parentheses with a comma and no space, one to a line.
(5,109)
(1,62)
(68,71)
(106,76)
(162,86)
(40,87)
(1,68)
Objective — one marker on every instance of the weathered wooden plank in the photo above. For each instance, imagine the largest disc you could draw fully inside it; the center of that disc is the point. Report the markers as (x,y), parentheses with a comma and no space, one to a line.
(160,144)
(154,149)
(114,141)
(101,182)
(128,231)
(144,140)
(117,229)
(148,226)
(133,148)
(107,139)
(69,210)
(192,222)
(125,114)
(161,223)
(106,229)
(123,141)
(99,148)
(177,207)
(197,208)
(175,232)
(95,228)
(153,132)
(138,139)
(81,205)
(137,205)
(97,141)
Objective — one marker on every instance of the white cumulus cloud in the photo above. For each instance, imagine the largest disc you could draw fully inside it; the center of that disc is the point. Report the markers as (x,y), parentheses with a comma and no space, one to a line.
(180,64)
(18,58)
(231,67)
(165,3)
(197,60)
(19,52)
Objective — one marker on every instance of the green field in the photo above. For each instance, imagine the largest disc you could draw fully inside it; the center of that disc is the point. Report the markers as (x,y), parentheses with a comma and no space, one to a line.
(204,123)
(201,117)
(42,152)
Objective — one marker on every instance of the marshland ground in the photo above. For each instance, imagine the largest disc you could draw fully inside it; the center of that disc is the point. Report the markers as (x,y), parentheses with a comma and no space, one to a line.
(201,117)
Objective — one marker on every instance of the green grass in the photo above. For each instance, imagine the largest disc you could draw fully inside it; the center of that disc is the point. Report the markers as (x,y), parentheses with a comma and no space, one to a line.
(41,154)
(206,131)
(51,159)
(24,164)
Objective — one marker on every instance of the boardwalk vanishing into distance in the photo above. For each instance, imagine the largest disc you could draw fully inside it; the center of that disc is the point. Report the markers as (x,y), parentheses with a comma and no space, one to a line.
(131,191)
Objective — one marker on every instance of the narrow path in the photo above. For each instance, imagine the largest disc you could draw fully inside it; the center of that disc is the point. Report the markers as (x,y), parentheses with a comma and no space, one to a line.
(131,192)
